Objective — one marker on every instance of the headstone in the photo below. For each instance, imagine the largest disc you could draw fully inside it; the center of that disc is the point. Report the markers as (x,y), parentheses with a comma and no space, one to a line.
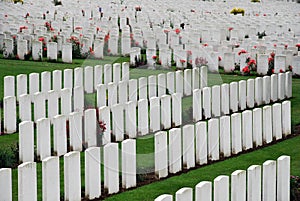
(118,122)
(233,96)
(228,62)
(225,137)
(250,93)
(111,167)
(258,127)
(286,118)
(39,106)
(215,101)
(283,178)
(279,63)
(152,86)
(262,64)
(175,153)
(107,73)
(179,81)
(66,102)
(6,184)
(184,194)
(206,103)
(92,173)
(165,111)
(123,93)
(66,53)
(176,109)
(201,142)
(25,107)
(130,119)
(88,79)
(56,81)
(52,51)
(236,133)
(242,94)
(21,85)
(203,191)
(276,121)
(26,142)
(187,82)
(161,84)
(213,140)
(9,114)
(224,99)
(60,136)
(90,128)
(269,180)
(164,197)
(267,124)
(98,76)
(37,51)
(155,114)
(75,131)
(78,77)
(188,146)
(197,105)
(161,154)
(254,183)
(143,117)
(247,130)
(170,83)
(142,88)
(22,49)
(281,86)
(72,176)
(9,86)
(238,185)
(34,84)
(78,99)
(104,116)
(203,77)
(68,78)
(53,103)
(27,181)
(116,72)
(43,139)
(288,84)
(221,188)
(132,90)
(266,91)
(125,72)
(196,78)
(274,88)
(46,82)
(128,163)
(51,178)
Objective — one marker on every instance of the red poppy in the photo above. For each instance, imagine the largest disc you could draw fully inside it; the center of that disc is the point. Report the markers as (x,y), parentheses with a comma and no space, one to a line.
(166,31)
(270,59)
(177,31)
(108,50)
(205,44)
(14,37)
(189,52)
(136,43)
(91,49)
(254,46)
(45,49)
(246,69)
(154,57)
(41,39)
(182,61)
(275,45)
(272,54)
(242,52)
(286,46)
(298,45)
(272,70)
(252,61)
(219,58)
(230,28)
(5,15)
(98,28)
(265,14)
(281,71)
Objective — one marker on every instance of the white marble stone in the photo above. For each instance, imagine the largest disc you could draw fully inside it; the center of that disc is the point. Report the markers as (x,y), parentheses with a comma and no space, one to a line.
(184,194)
(267,124)
(118,122)
(269,181)
(215,101)
(203,77)
(164,197)
(107,73)
(161,154)
(92,172)
(21,85)
(165,109)
(250,93)
(72,176)
(116,72)
(59,136)
(104,116)
(283,178)
(206,103)
(170,83)
(201,142)
(254,183)
(225,136)
(281,86)
(258,127)
(238,185)
(9,86)
(286,118)
(27,181)
(88,79)
(233,96)
(225,99)
(142,90)
(274,88)
(25,107)
(176,109)
(129,163)
(51,178)
(111,167)
(68,78)
(221,188)
(179,81)
(187,82)
(188,146)
(155,114)
(203,191)
(247,130)
(90,128)
(236,133)
(213,139)
(43,138)
(175,153)
(152,86)
(5,184)
(78,99)
(266,91)
(143,127)
(34,84)
(78,77)
(10,114)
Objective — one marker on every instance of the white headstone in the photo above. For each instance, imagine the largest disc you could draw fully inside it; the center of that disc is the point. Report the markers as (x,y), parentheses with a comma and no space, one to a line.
(170,82)
(57,80)
(155,114)
(165,111)
(128,163)
(266,91)
(274,88)
(184,194)
(118,122)
(90,128)
(286,118)
(225,136)
(88,79)
(10,116)
(5,184)
(51,178)
(236,133)
(142,88)
(187,82)
(242,94)
(238,185)
(258,127)
(254,183)
(283,178)
(250,93)
(281,86)
(25,107)
(215,101)
(78,77)
(276,121)
(179,82)
(52,104)
(132,90)
(143,117)
(175,160)
(111,167)
(203,191)
(27,181)
(233,96)
(288,84)
(78,99)
(269,181)
(130,119)
(176,109)
(107,73)
(213,139)
(34,84)
(43,138)
(164,197)
(98,75)
(46,82)
(26,142)
(221,188)
(224,99)
(60,136)
(161,84)
(21,85)
(247,130)
(68,78)
(188,146)
(152,86)
(9,86)
(206,104)
(267,124)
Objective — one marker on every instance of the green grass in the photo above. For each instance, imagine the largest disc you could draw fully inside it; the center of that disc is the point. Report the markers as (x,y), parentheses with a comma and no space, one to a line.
(145,145)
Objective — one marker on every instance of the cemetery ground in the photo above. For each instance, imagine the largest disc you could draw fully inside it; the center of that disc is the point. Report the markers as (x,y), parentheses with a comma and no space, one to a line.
(145,144)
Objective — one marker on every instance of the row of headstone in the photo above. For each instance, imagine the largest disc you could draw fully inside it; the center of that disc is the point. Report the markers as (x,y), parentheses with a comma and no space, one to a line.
(269,181)
(220,137)
(27,174)
(224,99)
(182,82)
(87,77)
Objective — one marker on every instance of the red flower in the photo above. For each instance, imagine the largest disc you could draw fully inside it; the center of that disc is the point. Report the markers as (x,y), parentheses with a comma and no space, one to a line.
(219,58)
(136,43)
(80,35)
(230,28)
(205,44)
(246,69)
(272,70)
(51,29)
(182,61)
(177,31)
(281,71)
(108,50)
(254,46)
(242,52)
(256,14)
(275,45)
(285,46)
(81,44)
(270,59)
(154,57)
(98,28)
(91,49)
(45,49)
(298,45)
(41,39)
(166,31)
(252,61)
(272,54)
(189,52)
(5,16)
(78,28)
(106,38)
(290,67)
(14,37)
(265,14)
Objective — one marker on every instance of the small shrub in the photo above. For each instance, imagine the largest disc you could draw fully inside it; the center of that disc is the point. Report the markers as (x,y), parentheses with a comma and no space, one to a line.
(295,188)
(9,156)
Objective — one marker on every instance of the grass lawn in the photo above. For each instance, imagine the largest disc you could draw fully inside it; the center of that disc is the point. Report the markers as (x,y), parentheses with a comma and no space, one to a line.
(145,145)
